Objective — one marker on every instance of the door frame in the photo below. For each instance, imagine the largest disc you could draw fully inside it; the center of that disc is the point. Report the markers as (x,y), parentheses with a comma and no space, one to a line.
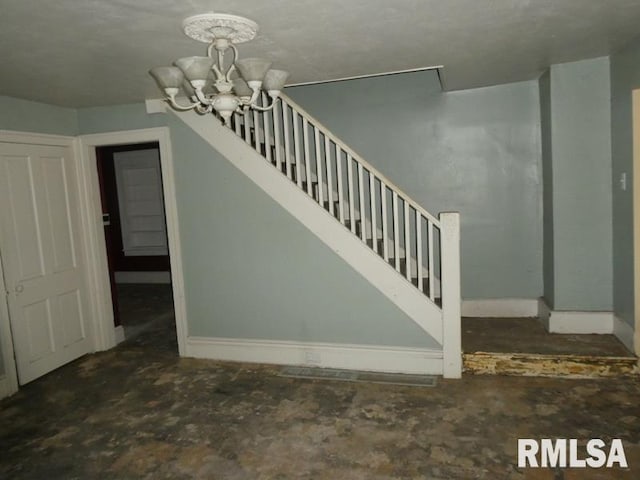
(9,380)
(635,185)
(91,212)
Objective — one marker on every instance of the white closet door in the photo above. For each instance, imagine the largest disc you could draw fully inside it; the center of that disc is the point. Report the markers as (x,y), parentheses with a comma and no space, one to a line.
(42,258)
(139,183)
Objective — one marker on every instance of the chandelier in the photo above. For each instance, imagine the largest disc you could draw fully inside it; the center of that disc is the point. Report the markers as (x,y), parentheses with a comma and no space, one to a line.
(220,81)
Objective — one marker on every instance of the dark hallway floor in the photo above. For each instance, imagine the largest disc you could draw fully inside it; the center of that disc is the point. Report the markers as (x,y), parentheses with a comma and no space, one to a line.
(146,307)
(139,411)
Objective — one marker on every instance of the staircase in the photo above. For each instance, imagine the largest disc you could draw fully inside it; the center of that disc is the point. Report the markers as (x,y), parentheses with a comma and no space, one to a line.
(368,204)
(413,257)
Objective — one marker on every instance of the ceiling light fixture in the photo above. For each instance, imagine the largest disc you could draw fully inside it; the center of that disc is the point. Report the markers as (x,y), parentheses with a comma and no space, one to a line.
(213,82)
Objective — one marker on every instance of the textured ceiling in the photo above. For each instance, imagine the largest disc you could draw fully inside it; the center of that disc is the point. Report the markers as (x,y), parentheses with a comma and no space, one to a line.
(97,52)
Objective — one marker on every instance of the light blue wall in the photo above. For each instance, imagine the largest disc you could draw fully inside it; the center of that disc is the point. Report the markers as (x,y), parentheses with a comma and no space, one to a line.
(117,118)
(580,185)
(253,271)
(27,116)
(544,85)
(475,151)
(625,77)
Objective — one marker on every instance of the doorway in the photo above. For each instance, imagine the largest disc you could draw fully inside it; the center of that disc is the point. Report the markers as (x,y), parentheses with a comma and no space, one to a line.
(135,234)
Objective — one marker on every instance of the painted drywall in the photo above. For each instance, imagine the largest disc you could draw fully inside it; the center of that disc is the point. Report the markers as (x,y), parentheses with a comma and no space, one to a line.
(27,116)
(580,185)
(625,77)
(544,86)
(253,271)
(474,151)
(117,118)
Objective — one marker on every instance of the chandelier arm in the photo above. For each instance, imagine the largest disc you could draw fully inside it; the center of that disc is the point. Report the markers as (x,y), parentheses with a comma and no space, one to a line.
(221,60)
(201,109)
(202,99)
(232,67)
(266,109)
(217,71)
(177,106)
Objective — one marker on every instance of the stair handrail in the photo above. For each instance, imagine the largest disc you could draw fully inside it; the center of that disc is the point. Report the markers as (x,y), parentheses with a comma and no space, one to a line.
(358,158)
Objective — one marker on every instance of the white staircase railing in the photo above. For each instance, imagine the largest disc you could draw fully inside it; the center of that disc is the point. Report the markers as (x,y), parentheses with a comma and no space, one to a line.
(363,199)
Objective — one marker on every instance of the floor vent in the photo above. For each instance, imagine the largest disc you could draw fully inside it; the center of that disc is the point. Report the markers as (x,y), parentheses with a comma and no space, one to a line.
(359,376)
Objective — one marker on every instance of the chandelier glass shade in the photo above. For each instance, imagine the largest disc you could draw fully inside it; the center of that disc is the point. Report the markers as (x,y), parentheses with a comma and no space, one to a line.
(220,81)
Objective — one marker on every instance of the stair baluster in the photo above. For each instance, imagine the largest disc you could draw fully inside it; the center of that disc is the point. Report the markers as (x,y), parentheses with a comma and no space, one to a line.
(399,230)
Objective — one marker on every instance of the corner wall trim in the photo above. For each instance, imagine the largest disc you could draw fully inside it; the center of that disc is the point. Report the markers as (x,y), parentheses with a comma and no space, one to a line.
(624,332)
(328,355)
(580,322)
(500,307)
(544,313)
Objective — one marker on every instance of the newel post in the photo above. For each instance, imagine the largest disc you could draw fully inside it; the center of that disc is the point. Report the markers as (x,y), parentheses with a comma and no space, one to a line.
(450,283)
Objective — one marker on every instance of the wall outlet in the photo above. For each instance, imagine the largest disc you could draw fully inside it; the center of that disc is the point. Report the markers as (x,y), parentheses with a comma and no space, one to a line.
(311,357)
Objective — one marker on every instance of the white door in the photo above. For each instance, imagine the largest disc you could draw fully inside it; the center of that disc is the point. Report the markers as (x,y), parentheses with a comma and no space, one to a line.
(42,258)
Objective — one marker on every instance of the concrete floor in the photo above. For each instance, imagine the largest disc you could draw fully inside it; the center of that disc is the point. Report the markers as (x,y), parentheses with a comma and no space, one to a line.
(139,411)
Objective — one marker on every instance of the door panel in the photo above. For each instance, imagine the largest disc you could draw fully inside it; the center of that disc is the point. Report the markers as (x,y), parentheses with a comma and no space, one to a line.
(71,314)
(37,317)
(17,173)
(58,210)
(39,244)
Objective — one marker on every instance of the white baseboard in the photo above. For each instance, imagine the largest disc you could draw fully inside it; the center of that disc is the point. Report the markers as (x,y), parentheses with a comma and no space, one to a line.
(580,322)
(500,307)
(119,334)
(327,355)
(143,277)
(624,332)
(7,387)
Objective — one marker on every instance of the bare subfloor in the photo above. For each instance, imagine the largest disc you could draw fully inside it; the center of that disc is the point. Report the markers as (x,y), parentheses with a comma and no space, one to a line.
(139,411)
(527,335)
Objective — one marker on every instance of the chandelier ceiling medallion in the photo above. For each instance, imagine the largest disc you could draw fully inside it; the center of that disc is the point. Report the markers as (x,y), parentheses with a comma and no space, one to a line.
(220,81)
